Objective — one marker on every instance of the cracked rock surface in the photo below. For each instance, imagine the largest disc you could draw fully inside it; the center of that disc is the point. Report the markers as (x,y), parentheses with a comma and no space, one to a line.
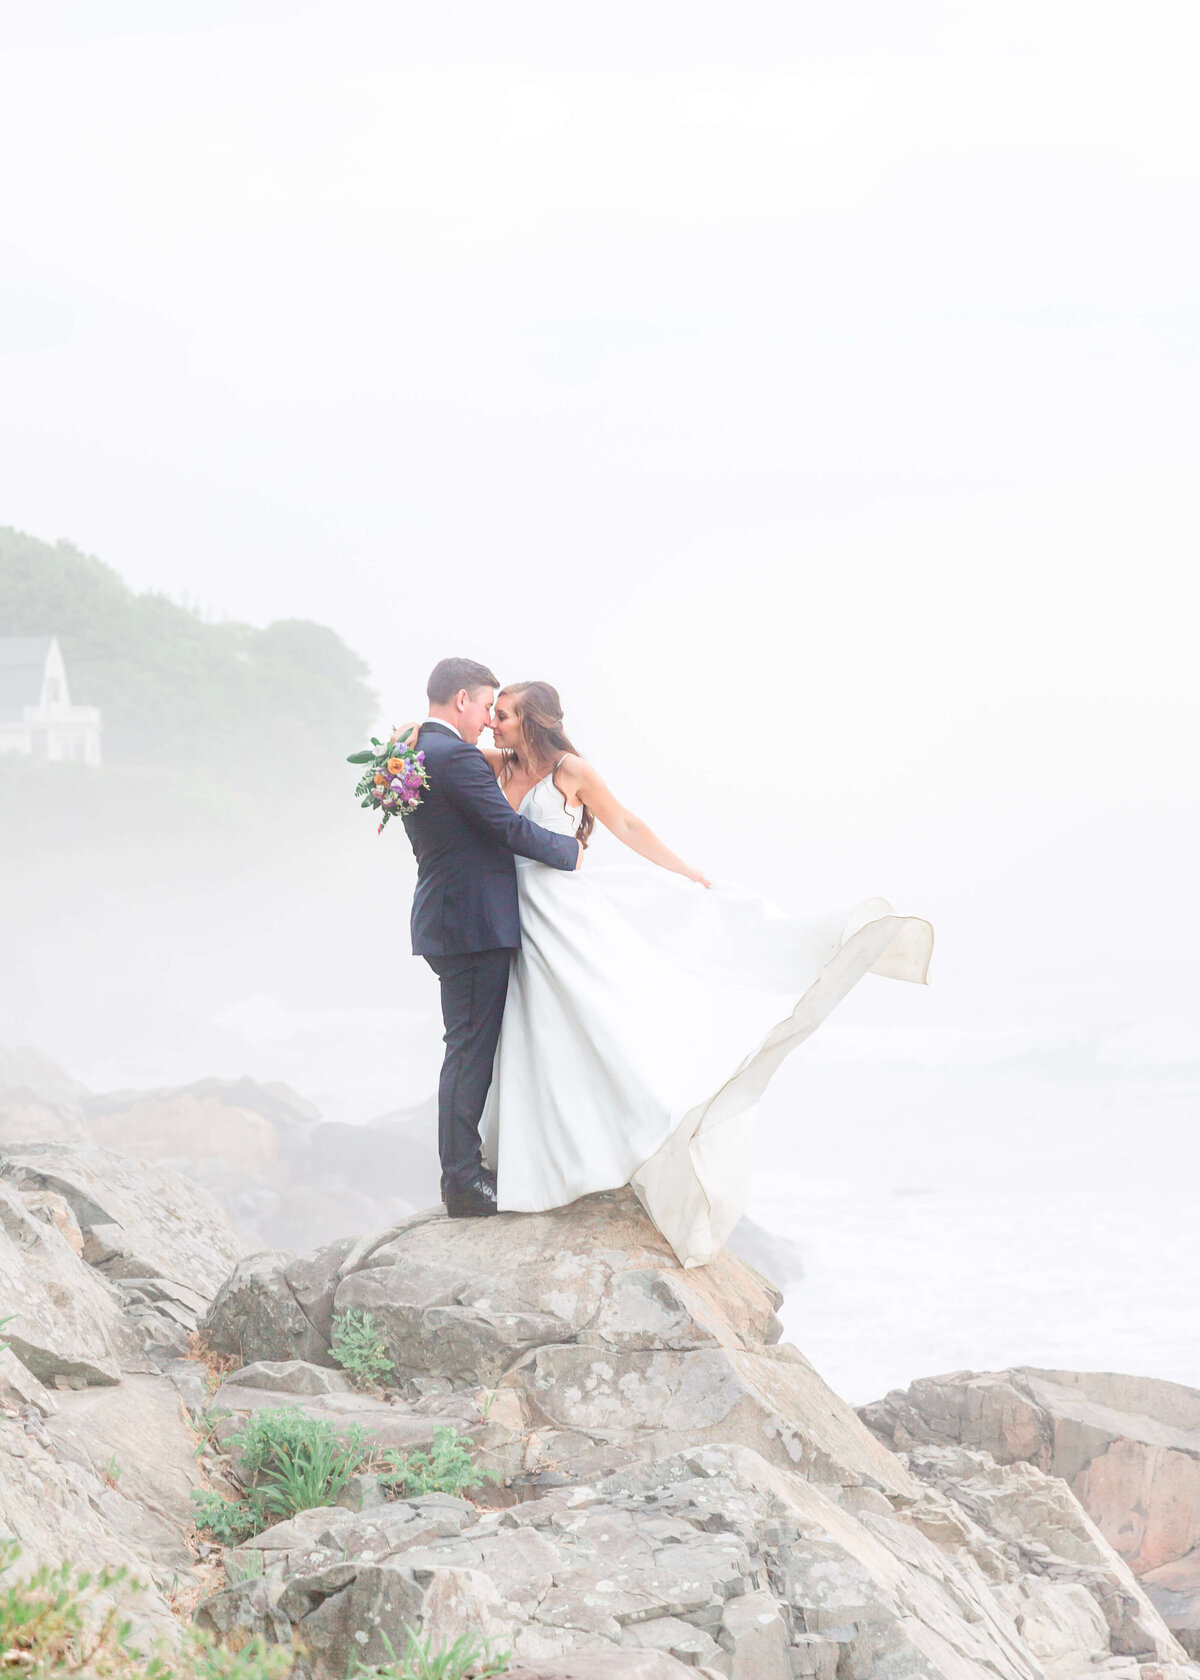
(1128,1447)
(678,1490)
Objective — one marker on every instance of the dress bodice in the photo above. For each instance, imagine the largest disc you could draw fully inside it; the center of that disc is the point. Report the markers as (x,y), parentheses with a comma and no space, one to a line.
(544,805)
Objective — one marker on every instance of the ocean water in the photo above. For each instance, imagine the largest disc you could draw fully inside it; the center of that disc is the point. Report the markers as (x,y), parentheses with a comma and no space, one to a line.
(975,1217)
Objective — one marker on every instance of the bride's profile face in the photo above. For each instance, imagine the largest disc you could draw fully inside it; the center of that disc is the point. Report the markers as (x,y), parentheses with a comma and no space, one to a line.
(506,723)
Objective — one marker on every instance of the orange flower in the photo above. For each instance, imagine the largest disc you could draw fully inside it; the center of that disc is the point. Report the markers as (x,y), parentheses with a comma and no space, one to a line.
(395,765)
(380,778)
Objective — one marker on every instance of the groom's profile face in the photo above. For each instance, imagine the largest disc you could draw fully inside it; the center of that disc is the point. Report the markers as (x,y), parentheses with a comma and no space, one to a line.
(476,714)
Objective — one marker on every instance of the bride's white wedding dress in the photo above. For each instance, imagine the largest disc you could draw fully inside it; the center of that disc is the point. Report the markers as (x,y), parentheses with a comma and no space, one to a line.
(645,1016)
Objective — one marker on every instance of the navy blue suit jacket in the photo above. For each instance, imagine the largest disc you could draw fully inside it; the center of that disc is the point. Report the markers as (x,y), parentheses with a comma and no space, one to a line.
(464,833)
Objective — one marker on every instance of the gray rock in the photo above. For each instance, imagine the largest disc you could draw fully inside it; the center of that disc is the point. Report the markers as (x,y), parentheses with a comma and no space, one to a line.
(19,1387)
(313,1280)
(716,1557)
(612,1665)
(187,1377)
(256,1316)
(64,1321)
(586,1313)
(291,1376)
(754,1631)
(138,1218)
(1174,1590)
(773,1403)
(1129,1447)
(347,1613)
(466,1343)
(138,1436)
(564,1263)
(362,1493)
(56,1510)
(247,1610)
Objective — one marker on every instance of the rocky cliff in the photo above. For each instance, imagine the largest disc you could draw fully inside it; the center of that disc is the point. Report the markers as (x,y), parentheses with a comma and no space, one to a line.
(1128,1447)
(669,1487)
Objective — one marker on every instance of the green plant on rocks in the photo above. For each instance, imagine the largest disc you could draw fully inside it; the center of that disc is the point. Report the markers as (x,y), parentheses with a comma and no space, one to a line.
(294,1462)
(229,1521)
(360,1348)
(61,1621)
(446,1469)
(468,1656)
(298,1461)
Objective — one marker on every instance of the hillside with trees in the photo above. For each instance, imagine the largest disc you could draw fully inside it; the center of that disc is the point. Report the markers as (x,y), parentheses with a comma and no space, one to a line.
(219,722)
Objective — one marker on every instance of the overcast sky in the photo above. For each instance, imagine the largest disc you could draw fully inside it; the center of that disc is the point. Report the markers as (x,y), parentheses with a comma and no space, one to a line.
(810,388)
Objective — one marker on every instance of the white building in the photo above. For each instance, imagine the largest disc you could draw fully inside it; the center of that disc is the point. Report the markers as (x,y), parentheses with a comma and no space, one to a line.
(36,714)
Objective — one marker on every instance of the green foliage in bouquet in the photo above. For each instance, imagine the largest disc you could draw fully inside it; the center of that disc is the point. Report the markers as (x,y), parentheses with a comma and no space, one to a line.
(393,777)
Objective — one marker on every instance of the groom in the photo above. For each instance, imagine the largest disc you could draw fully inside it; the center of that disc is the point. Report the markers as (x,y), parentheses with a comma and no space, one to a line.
(465,921)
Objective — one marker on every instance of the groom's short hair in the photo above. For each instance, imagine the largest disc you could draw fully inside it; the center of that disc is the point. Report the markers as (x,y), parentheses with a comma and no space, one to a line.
(449,675)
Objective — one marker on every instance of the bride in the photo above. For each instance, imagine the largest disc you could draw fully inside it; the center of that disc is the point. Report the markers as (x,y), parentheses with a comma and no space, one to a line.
(645,1016)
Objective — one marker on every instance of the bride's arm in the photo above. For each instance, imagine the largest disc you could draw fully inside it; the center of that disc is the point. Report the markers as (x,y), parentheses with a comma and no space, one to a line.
(576,780)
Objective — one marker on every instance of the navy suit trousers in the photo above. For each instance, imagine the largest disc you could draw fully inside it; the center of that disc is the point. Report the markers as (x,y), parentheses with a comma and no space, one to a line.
(474,986)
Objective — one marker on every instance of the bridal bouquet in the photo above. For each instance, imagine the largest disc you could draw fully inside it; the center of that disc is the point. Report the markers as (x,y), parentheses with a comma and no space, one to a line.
(393,777)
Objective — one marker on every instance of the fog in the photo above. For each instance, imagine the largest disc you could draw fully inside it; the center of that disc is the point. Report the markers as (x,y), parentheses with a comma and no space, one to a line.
(811,395)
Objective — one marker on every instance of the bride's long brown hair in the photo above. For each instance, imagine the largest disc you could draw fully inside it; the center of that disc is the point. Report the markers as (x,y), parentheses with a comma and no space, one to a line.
(543,739)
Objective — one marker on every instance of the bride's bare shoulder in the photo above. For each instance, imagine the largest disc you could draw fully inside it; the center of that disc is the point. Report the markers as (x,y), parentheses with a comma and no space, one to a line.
(571,767)
(494,757)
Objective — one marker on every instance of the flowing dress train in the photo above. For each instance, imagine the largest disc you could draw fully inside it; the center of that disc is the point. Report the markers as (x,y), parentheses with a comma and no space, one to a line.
(644,1018)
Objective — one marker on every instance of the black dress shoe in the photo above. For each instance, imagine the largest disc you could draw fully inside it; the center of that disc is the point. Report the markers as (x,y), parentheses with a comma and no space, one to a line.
(484,1173)
(477,1201)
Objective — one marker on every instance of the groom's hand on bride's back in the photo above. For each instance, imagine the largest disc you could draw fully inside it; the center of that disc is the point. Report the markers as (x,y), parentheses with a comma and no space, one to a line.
(579,859)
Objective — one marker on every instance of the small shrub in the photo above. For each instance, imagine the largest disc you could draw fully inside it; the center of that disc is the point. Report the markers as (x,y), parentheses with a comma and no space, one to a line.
(204,1424)
(229,1521)
(56,1623)
(217,1366)
(467,1656)
(447,1469)
(249,1565)
(360,1348)
(295,1463)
